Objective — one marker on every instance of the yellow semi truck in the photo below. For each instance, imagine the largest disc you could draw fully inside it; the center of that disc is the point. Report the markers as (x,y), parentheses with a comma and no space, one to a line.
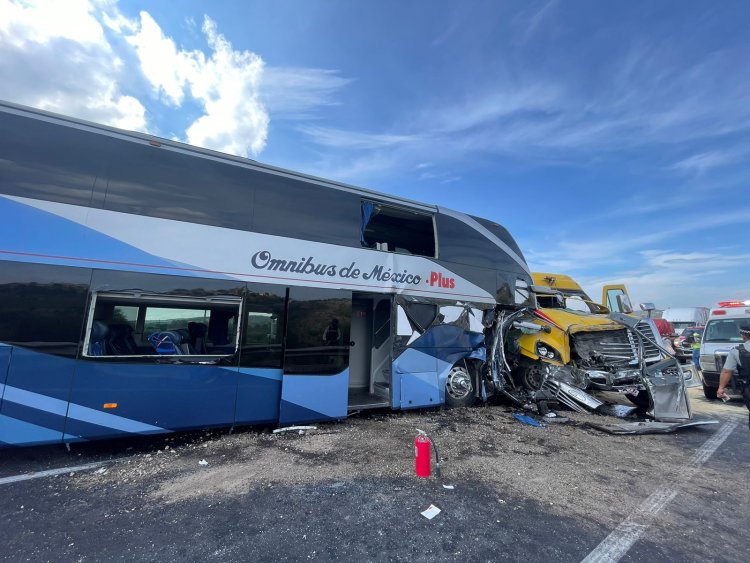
(583,343)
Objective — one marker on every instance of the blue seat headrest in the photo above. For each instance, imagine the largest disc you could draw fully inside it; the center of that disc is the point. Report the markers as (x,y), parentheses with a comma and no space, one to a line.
(99,331)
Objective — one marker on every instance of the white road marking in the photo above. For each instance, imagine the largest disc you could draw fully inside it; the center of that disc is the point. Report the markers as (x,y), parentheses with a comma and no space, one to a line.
(50,473)
(622,538)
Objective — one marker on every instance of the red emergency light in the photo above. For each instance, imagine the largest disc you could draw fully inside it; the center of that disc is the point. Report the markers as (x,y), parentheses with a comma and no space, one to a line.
(734,303)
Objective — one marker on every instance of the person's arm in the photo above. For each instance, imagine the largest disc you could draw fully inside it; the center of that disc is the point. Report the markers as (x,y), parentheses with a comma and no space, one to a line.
(726,374)
(724,378)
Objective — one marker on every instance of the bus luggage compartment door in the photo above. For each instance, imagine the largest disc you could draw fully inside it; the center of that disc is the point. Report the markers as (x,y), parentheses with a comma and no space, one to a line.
(315,384)
(417,372)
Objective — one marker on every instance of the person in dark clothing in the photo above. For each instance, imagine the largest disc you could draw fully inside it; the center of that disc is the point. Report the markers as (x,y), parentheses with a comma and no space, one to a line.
(738,359)
(332,334)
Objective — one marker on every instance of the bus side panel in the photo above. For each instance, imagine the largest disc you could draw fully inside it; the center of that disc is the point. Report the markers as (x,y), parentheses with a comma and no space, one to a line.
(423,368)
(258,396)
(149,399)
(311,398)
(42,315)
(5,353)
(417,374)
(35,398)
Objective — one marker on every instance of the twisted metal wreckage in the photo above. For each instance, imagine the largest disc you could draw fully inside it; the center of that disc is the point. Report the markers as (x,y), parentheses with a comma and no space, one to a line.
(653,382)
(629,361)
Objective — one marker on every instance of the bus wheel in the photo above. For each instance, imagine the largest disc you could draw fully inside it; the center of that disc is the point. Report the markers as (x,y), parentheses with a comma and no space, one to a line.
(459,390)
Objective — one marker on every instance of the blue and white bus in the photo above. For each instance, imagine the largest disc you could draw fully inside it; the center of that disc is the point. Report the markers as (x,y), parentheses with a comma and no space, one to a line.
(147,286)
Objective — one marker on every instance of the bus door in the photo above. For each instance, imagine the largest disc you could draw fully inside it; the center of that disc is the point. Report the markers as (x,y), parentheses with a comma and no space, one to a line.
(315,382)
(370,353)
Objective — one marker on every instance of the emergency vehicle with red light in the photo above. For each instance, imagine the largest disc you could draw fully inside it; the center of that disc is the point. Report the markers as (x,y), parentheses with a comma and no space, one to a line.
(722,333)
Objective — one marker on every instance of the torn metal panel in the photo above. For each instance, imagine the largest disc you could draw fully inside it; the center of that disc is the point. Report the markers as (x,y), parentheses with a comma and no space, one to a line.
(571,396)
(651,427)
(668,393)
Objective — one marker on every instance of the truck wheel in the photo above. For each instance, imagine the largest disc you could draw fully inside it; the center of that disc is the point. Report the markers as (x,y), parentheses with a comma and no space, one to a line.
(459,388)
(710,392)
(530,375)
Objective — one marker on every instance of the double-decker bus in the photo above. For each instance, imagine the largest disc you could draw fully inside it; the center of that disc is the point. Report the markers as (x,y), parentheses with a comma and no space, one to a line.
(148,286)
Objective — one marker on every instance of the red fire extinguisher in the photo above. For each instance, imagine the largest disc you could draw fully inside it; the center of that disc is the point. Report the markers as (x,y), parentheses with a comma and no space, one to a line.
(422,444)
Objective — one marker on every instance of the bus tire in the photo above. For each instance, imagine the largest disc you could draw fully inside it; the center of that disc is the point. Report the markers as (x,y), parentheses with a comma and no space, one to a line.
(459,387)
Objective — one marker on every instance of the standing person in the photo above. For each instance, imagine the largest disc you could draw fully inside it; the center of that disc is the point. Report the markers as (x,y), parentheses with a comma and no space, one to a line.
(738,359)
(695,345)
(332,333)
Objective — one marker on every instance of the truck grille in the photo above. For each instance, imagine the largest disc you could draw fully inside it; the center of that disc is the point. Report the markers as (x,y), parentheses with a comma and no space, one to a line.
(650,350)
(615,347)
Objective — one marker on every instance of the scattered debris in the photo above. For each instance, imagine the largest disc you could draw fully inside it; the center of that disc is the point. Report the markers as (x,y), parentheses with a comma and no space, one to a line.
(526,419)
(431,512)
(203,462)
(301,429)
(650,426)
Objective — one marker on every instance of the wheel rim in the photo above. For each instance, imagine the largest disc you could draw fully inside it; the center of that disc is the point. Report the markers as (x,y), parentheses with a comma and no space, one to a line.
(458,385)
(534,376)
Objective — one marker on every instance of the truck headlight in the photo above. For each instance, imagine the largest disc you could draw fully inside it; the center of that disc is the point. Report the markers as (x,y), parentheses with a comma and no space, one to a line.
(546,351)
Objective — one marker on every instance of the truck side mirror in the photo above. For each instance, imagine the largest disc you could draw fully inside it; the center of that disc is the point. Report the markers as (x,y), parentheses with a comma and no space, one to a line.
(623,303)
(647,307)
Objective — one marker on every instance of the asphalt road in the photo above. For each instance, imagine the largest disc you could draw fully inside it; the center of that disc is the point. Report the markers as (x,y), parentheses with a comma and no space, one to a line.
(347,492)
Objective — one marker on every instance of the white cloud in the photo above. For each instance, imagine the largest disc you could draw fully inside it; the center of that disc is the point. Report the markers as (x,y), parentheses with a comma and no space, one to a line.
(295,92)
(701,162)
(55,56)
(342,139)
(72,57)
(226,83)
(665,276)
(672,279)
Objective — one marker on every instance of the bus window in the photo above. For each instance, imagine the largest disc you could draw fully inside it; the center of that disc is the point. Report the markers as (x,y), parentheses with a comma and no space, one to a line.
(43,306)
(126,315)
(139,325)
(318,331)
(404,231)
(264,330)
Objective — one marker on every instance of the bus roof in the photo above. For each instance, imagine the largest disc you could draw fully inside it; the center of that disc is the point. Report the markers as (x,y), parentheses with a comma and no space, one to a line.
(18,109)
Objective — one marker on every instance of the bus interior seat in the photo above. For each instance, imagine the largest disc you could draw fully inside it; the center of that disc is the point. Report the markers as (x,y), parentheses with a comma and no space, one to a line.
(185,344)
(198,337)
(98,338)
(166,343)
(120,341)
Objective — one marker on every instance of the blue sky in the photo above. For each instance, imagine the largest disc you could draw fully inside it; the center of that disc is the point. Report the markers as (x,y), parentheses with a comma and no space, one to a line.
(611,138)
